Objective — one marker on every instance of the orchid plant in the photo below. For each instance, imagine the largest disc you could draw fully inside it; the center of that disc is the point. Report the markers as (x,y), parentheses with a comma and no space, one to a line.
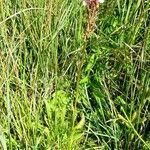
(92,7)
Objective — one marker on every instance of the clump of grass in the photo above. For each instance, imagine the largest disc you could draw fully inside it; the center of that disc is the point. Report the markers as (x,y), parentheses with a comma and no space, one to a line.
(44,68)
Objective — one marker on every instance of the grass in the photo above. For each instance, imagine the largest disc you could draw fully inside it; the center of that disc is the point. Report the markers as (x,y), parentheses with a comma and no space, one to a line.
(40,54)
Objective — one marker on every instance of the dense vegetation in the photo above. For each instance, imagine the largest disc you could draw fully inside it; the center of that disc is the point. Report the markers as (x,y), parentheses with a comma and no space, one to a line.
(47,103)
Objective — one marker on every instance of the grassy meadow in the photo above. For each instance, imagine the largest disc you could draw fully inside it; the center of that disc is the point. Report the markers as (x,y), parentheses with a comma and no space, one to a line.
(49,101)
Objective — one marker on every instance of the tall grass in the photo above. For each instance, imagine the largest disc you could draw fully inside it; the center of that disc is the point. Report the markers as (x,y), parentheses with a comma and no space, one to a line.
(40,52)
